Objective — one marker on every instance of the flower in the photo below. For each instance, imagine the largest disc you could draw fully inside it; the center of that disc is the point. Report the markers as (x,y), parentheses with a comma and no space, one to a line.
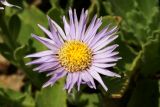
(4,2)
(79,52)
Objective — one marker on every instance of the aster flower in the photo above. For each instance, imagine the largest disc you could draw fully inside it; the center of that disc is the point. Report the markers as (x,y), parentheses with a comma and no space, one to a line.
(4,2)
(79,52)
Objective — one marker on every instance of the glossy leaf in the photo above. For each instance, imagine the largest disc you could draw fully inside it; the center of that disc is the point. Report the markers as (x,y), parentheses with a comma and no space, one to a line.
(10,98)
(121,7)
(94,8)
(14,26)
(145,94)
(147,7)
(151,57)
(53,96)
(91,100)
(56,15)
(30,21)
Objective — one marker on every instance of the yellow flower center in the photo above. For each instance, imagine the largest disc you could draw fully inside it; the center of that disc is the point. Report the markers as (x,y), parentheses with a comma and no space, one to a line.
(75,56)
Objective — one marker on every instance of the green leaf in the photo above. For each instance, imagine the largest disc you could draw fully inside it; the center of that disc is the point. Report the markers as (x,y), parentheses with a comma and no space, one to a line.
(126,52)
(25,33)
(69,4)
(54,3)
(11,98)
(31,16)
(91,100)
(61,4)
(107,7)
(7,53)
(53,96)
(94,8)
(148,60)
(7,38)
(155,23)
(56,14)
(121,7)
(14,26)
(135,16)
(148,7)
(112,20)
(136,23)
(145,94)
(151,56)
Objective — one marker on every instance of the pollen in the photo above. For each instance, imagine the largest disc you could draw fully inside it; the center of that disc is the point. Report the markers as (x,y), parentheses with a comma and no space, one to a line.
(75,56)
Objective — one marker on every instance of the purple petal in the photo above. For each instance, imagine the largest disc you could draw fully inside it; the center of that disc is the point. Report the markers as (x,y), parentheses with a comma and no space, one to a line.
(101,65)
(51,68)
(40,54)
(108,49)
(105,55)
(88,75)
(43,60)
(55,71)
(68,81)
(91,35)
(76,25)
(75,77)
(46,31)
(47,42)
(99,36)
(112,31)
(59,29)
(87,79)
(106,60)
(97,77)
(90,27)
(103,34)
(104,42)
(79,81)
(104,71)
(58,39)
(66,27)
(55,78)
(72,26)
(82,24)
(45,66)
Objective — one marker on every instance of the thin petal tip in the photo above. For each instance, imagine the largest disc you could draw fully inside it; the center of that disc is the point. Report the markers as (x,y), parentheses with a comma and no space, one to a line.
(26,56)
(46,84)
(27,64)
(1,8)
(119,58)
(117,75)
